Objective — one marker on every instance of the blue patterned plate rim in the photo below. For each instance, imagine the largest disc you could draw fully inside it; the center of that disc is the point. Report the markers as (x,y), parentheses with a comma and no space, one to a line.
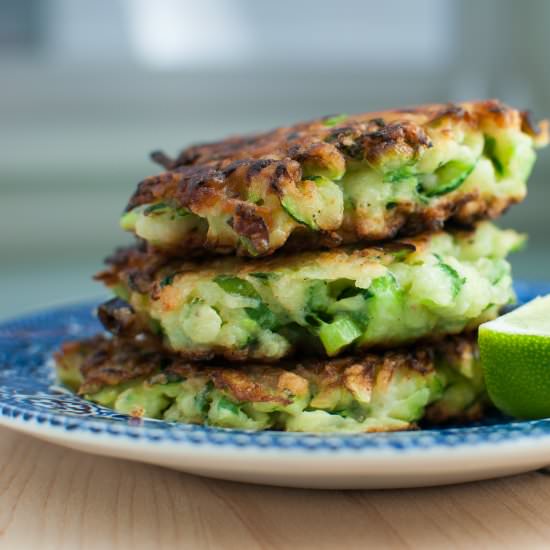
(28,394)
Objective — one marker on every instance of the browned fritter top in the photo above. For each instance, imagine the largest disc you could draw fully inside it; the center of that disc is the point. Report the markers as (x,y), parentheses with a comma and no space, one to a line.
(338,180)
(107,361)
(201,173)
(146,271)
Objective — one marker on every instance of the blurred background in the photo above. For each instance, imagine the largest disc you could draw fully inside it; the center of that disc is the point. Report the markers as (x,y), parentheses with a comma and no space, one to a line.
(89,87)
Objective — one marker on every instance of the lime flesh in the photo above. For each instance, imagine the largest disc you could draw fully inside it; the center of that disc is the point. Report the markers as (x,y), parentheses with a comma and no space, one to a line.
(515,354)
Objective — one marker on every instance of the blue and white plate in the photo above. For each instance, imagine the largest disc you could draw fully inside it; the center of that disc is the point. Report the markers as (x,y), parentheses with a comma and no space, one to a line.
(31,403)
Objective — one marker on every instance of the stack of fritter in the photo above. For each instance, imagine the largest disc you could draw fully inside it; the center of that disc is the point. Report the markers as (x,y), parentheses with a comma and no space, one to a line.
(325,277)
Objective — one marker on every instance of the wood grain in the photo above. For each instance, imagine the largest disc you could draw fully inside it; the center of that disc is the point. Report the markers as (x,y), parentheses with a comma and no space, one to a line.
(51,497)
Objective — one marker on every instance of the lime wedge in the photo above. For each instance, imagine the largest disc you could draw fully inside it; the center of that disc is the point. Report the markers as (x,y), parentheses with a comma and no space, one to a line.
(515,354)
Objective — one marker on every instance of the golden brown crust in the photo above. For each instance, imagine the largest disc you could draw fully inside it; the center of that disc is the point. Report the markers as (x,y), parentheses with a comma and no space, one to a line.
(148,272)
(214,179)
(368,135)
(111,361)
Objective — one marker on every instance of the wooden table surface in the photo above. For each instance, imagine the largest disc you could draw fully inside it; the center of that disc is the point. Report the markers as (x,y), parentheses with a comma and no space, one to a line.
(51,497)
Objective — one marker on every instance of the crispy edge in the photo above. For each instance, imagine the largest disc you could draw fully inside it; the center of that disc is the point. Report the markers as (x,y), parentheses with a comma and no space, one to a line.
(105,361)
(216,176)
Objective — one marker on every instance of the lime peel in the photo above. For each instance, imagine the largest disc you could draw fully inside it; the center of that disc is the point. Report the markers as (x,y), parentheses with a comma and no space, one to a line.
(515,355)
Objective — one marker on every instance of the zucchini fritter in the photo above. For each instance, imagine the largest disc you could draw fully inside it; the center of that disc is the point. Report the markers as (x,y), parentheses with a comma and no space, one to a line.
(374,392)
(339,180)
(315,302)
